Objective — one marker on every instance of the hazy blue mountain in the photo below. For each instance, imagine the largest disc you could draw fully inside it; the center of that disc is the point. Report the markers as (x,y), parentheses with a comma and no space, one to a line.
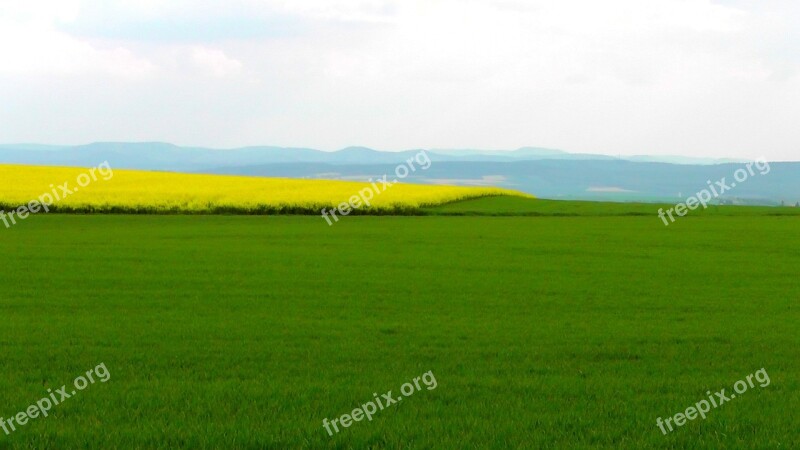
(548,173)
(164,156)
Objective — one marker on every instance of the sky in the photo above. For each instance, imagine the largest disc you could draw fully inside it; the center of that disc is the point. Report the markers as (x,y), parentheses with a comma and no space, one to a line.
(661,77)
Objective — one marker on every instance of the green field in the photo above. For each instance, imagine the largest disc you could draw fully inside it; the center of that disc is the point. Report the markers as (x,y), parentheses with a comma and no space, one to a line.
(573,328)
(520,206)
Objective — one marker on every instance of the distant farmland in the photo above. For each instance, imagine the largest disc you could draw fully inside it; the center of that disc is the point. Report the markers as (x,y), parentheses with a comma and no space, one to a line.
(126,191)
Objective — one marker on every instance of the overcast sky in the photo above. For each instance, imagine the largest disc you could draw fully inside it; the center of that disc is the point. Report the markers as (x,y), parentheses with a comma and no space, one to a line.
(691,77)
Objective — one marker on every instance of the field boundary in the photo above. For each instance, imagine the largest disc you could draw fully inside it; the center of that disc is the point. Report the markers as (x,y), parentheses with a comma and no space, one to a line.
(541,208)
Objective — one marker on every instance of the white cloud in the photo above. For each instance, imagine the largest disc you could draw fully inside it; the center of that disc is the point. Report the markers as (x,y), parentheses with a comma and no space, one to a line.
(38,49)
(376,11)
(622,76)
(215,62)
(41,10)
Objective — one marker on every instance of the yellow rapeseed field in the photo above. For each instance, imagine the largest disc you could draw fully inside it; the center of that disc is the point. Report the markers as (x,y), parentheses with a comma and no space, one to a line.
(105,189)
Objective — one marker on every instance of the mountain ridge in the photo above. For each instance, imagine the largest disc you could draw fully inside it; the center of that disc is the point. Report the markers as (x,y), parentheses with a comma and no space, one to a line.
(546,173)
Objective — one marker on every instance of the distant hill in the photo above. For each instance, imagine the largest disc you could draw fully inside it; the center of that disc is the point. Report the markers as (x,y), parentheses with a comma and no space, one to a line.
(164,156)
(546,173)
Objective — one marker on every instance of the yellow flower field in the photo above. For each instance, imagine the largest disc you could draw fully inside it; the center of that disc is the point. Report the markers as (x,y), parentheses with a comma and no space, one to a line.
(106,189)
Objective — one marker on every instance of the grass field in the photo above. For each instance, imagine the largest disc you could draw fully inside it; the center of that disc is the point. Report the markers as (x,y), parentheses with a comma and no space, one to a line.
(521,206)
(542,332)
